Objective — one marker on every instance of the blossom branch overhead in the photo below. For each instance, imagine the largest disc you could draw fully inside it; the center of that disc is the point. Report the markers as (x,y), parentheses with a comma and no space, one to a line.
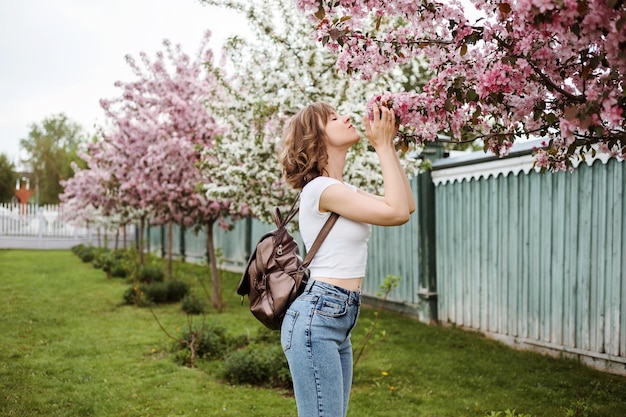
(257,106)
(548,68)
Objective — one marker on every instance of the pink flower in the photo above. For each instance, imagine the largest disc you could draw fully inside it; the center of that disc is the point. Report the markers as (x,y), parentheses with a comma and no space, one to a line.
(612,112)
(527,51)
(568,129)
(495,80)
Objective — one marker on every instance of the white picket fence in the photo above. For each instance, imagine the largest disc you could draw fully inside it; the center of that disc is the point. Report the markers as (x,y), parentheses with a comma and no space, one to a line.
(43,227)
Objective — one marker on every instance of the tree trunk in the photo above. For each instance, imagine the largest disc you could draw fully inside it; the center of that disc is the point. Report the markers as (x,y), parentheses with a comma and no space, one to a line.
(170,243)
(142,226)
(117,239)
(181,243)
(148,238)
(216,293)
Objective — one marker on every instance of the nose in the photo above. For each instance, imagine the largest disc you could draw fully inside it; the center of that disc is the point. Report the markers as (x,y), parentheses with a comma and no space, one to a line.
(346,119)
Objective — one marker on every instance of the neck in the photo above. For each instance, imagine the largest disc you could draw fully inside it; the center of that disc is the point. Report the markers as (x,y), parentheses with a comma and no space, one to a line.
(336,163)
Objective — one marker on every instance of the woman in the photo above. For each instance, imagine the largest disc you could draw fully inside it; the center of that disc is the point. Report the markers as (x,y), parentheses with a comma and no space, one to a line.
(315,333)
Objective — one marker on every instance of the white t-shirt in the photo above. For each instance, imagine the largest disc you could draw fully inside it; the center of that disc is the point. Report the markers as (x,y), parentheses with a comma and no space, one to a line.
(343,253)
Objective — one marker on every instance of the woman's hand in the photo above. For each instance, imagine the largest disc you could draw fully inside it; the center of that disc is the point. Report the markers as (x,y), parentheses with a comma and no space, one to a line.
(382,130)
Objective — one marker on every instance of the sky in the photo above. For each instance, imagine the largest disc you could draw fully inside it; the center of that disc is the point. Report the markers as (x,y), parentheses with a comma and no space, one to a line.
(63,56)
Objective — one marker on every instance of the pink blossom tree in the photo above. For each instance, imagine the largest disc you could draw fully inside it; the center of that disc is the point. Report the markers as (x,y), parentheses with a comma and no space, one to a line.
(120,155)
(162,124)
(146,164)
(82,197)
(548,68)
(91,196)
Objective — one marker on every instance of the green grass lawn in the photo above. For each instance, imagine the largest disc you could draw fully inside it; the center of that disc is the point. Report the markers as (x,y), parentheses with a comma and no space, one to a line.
(68,347)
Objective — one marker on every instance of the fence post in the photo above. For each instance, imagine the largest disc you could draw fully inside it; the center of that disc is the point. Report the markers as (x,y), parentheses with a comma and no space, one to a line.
(40,226)
(427,291)
(248,238)
(427,278)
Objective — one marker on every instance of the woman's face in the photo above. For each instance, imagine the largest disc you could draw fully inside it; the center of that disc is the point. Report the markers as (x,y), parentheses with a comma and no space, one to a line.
(340,132)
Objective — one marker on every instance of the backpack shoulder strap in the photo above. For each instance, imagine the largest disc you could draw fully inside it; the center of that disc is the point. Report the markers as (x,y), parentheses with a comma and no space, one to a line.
(332,219)
(282,222)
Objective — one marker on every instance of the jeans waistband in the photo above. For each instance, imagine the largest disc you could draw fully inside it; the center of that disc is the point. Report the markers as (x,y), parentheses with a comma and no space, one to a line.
(351,297)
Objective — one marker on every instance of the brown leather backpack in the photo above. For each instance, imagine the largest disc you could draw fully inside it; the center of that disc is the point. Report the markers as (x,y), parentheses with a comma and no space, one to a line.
(276,274)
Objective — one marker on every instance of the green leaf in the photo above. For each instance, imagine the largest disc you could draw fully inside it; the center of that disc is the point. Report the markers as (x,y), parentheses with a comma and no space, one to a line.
(471,95)
(550,118)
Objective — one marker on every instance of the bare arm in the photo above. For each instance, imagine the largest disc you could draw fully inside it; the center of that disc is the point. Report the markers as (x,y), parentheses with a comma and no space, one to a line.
(395,206)
(407,187)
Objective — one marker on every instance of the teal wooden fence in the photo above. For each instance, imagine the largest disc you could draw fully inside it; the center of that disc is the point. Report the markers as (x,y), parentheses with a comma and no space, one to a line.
(534,260)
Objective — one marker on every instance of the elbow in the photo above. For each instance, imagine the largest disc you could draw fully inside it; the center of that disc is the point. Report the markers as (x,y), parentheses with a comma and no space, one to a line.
(400,218)
(407,215)
(395,216)
(412,205)
(396,219)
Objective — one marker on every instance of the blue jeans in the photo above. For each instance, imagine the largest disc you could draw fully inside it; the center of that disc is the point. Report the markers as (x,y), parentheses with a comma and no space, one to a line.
(315,336)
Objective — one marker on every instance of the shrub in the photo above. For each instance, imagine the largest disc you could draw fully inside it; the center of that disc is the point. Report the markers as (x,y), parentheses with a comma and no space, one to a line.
(176,290)
(113,263)
(156,292)
(268,336)
(210,342)
(100,259)
(118,270)
(87,253)
(150,273)
(135,295)
(77,248)
(213,342)
(257,364)
(192,304)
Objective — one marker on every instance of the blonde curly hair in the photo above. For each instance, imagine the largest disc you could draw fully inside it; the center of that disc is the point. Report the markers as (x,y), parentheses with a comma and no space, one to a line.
(304,155)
